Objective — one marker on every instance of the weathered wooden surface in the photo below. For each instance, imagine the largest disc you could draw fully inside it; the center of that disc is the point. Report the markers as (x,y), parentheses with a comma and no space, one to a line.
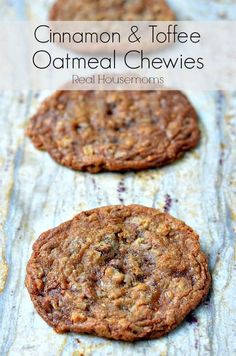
(37,194)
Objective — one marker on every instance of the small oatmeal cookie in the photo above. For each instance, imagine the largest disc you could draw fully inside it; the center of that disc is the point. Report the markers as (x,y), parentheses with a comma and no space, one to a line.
(115,131)
(112,10)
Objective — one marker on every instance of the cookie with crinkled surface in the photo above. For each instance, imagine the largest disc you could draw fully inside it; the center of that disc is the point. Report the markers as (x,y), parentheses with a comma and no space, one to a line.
(115,131)
(113,10)
(121,272)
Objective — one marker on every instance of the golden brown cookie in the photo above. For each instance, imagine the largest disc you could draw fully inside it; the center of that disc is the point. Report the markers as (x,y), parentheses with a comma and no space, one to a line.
(115,131)
(121,272)
(96,10)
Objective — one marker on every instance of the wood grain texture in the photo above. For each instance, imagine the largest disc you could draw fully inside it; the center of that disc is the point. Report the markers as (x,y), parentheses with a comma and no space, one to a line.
(37,194)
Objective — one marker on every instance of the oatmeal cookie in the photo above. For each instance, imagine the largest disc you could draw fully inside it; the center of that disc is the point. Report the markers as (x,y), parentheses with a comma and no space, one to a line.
(113,10)
(115,131)
(121,272)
